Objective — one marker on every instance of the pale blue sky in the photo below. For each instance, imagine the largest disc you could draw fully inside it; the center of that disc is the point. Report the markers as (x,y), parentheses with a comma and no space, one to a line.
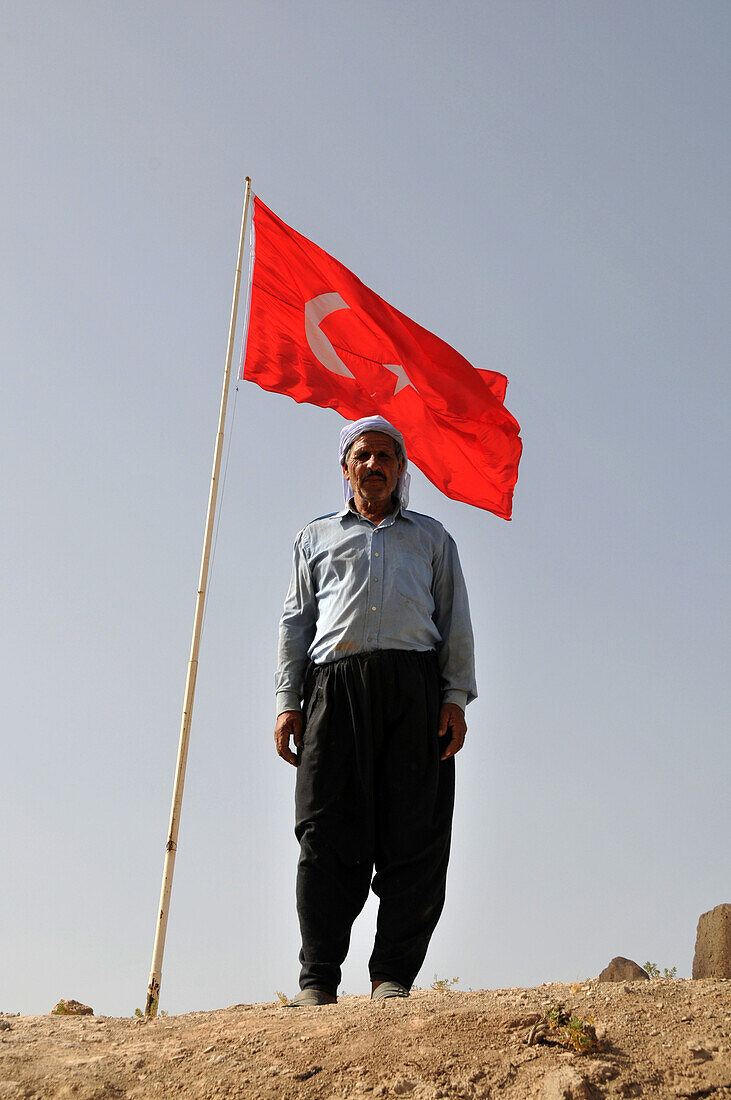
(544,186)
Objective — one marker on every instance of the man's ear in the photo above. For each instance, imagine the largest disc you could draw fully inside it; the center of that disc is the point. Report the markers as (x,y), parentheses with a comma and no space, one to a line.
(346,475)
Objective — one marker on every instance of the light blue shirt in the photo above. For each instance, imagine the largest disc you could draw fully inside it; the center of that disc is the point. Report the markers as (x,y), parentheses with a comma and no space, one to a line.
(357,587)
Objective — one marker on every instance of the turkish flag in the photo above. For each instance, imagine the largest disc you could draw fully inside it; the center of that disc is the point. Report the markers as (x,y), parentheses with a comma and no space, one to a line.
(318,334)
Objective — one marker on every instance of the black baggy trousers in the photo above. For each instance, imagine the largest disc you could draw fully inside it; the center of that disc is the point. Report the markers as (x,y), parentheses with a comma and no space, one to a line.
(371,792)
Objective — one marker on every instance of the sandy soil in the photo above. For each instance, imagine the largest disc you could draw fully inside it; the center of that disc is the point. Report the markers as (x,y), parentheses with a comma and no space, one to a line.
(662,1038)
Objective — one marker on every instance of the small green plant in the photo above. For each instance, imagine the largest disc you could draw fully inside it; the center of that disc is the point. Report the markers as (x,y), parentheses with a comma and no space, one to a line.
(443,985)
(566,1029)
(655,972)
(283,998)
(579,1034)
(139,1013)
(556,1016)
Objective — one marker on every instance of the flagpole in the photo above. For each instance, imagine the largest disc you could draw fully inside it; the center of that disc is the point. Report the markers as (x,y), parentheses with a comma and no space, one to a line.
(153,987)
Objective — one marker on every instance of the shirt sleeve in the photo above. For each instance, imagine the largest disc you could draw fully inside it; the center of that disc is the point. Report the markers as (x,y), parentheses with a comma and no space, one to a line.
(296,631)
(456,651)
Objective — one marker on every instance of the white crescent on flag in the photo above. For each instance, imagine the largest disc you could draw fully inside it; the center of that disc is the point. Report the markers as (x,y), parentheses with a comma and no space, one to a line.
(316,310)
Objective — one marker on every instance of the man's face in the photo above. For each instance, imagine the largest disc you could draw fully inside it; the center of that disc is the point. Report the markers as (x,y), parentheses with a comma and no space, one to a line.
(372,467)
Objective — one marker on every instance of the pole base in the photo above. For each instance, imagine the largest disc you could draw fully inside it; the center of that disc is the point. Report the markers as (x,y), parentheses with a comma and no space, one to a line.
(153,996)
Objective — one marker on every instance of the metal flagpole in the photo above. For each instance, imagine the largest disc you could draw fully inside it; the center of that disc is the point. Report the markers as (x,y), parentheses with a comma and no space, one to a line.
(153,988)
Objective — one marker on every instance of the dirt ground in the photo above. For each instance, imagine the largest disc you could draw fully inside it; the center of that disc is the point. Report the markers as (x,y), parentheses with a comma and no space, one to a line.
(659,1038)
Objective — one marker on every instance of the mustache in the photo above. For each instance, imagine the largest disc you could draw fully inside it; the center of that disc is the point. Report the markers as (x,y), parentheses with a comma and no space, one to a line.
(374,474)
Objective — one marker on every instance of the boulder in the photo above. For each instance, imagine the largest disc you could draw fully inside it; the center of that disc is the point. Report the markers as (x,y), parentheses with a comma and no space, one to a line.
(712,957)
(623,970)
(71,1008)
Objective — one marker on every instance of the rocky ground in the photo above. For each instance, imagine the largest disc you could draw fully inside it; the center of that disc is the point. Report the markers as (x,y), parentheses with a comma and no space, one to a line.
(659,1038)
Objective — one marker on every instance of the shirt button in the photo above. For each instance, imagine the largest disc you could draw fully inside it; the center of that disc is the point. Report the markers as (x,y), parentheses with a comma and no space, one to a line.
(375,580)
(377,554)
(373,608)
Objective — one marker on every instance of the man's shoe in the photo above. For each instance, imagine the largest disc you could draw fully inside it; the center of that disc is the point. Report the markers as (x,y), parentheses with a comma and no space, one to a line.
(308,997)
(385,990)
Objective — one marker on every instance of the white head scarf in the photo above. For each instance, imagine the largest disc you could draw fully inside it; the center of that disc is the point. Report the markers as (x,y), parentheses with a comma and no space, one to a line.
(354,431)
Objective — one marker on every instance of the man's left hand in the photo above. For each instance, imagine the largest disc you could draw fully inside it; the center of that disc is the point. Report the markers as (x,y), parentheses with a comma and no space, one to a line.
(451,720)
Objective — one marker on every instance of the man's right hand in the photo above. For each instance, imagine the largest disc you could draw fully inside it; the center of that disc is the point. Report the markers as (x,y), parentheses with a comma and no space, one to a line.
(289,724)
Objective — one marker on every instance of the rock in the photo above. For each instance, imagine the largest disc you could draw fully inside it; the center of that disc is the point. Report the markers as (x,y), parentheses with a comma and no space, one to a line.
(601,1031)
(566,1084)
(5,1026)
(712,957)
(71,1008)
(623,970)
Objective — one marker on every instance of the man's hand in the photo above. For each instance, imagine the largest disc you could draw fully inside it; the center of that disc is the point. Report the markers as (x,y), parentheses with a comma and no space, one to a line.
(451,720)
(289,724)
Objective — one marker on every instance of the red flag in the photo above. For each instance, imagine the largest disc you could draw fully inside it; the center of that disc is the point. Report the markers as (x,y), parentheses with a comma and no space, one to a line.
(318,334)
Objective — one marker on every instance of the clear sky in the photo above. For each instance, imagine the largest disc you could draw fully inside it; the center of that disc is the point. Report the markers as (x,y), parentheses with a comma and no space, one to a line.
(543,185)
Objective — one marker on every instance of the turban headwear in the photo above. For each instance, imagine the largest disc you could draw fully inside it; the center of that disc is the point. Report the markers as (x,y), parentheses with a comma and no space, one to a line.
(354,431)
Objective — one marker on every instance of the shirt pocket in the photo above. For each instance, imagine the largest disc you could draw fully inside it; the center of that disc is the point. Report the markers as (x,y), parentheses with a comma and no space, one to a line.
(413,580)
(338,569)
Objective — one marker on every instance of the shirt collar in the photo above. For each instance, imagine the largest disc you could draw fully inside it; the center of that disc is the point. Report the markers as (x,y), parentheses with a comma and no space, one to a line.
(351,510)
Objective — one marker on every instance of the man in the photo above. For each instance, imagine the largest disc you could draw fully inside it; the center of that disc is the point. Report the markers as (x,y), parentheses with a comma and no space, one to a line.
(376,667)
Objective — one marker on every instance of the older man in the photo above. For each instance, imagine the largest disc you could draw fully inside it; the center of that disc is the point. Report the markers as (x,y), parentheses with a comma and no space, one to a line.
(376,667)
